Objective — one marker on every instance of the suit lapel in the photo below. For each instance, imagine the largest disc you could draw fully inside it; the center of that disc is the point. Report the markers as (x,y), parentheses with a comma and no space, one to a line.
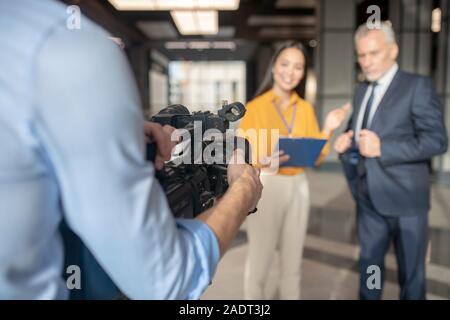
(390,92)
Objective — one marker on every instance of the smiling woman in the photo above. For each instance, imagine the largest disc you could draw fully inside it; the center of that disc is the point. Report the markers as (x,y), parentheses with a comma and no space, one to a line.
(283,210)
(295,52)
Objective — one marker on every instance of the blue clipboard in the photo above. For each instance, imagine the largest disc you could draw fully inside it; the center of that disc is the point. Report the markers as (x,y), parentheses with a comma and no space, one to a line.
(303,152)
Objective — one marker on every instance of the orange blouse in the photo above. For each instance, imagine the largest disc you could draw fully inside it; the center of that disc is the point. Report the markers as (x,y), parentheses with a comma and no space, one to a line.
(262,114)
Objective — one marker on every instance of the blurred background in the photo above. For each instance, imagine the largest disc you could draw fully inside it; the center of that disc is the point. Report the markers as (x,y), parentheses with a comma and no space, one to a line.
(200,52)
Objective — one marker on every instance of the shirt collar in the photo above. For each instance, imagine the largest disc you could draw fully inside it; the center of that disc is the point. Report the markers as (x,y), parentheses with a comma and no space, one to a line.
(292,100)
(388,76)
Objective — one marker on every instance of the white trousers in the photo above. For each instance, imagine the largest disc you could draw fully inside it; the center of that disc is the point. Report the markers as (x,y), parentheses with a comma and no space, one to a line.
(280,223)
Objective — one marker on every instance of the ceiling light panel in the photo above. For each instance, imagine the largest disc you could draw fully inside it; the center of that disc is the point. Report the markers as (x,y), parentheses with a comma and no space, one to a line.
(192,22)
(133,4)
(207,22)
(185,21)
(175,4)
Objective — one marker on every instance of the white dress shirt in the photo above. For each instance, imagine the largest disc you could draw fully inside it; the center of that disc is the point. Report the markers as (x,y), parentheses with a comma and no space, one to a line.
(381,88)
(72,146)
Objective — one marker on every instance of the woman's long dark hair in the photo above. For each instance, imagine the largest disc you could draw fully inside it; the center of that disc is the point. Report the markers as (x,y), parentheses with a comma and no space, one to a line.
(267,82)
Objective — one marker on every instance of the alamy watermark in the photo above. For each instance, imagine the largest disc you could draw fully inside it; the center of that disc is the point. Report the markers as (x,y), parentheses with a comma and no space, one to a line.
(73,22)
(216,147)
(374,21)
(374,280)
(73,281)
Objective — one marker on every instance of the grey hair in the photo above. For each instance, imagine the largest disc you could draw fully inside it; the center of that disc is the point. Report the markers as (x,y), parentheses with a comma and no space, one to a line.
(385,26)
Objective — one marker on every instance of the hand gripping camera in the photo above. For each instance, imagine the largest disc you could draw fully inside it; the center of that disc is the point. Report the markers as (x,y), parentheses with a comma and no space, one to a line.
(197,172)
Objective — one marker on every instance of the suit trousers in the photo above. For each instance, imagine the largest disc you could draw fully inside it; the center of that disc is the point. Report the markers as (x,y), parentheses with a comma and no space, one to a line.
(375,233)
(280,223)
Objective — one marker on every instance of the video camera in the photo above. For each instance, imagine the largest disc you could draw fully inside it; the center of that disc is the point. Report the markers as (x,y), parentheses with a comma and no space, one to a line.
(190,182)
(194,178)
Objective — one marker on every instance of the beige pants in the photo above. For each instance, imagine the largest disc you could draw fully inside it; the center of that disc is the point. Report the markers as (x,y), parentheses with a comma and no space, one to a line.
(280,223)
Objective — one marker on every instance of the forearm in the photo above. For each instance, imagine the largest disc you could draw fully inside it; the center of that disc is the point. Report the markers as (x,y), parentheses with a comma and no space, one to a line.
(227,215)
(326,133)
(326,149)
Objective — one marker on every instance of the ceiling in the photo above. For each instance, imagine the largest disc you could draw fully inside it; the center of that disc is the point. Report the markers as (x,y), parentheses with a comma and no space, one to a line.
(255,21)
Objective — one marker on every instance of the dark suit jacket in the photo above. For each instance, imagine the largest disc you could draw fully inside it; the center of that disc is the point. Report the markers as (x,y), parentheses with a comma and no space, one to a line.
(409,121)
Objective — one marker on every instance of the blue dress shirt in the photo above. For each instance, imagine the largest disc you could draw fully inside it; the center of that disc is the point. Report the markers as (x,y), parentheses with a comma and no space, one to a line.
(72,146)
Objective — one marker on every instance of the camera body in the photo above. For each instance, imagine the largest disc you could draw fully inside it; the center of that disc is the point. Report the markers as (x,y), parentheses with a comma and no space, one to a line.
(198,176)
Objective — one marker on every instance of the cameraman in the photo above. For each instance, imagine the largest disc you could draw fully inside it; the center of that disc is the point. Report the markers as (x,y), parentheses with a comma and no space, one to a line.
(72,146)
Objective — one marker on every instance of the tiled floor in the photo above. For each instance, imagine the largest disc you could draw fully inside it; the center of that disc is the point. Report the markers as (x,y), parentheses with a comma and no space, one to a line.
(329,268)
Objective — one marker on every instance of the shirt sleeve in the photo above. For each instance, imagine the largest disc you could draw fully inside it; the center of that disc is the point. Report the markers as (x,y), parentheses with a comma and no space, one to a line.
(90,124)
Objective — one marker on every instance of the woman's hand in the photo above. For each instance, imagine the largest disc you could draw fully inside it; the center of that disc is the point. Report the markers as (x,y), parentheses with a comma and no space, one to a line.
(343,142)
(335,118)
(276,157)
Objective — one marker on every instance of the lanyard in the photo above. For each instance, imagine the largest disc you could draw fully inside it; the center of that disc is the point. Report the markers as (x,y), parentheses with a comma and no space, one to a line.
(291,126)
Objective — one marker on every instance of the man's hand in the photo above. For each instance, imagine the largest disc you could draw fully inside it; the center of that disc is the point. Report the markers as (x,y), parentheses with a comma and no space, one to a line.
(242,196)
(369,144)
(335,118)
(154,132)
(343,142)
(246,177)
